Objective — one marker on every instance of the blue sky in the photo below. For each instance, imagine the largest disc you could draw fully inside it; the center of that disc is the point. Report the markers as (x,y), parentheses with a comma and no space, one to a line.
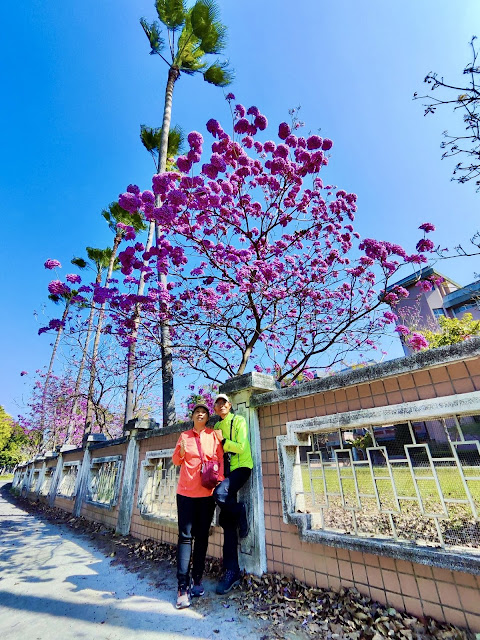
(78,81)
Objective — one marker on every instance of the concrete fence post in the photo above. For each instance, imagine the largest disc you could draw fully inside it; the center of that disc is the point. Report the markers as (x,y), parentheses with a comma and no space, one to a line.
(130,472)
(253,553)
(55,480)
(82,481)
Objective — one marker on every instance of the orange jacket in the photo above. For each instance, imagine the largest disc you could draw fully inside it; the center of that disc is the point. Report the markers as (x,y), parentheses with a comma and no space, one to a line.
(189,481)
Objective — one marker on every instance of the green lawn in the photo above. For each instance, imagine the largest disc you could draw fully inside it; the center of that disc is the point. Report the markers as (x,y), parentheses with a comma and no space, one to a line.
(7,476)
(449,479)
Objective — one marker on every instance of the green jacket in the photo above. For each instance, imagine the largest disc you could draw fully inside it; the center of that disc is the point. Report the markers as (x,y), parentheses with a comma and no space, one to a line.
(239,445)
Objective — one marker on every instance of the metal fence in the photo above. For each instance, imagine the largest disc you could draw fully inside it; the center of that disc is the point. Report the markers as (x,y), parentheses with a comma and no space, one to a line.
(412,481)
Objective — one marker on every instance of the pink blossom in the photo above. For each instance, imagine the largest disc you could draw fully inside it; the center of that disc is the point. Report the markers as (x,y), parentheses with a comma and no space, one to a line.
(283,131)
(427,227)
(424,245)
(327,144)
(418,342)
(425,285)
(52,264)
(24,373)
(74,278)
(57,288)
(402,329)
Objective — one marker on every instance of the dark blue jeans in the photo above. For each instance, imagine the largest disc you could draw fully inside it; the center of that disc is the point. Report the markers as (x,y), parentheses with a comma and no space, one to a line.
(230,510)
(194,520)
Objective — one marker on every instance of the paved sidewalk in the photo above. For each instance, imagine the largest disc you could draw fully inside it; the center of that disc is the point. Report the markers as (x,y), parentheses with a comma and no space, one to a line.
(55,584)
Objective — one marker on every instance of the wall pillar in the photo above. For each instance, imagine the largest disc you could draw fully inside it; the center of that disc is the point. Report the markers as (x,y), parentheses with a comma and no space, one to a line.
(82,482)
(129,481)
(253,553)
(56,477)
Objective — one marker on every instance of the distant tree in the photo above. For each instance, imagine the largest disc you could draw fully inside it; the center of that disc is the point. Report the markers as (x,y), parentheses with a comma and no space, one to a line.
(453,330)
(465,98)
(5,427)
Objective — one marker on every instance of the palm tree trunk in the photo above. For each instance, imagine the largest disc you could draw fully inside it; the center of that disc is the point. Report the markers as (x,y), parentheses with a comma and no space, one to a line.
(46,431)
(132,348)
(81,368)
(168,392)
(96,340)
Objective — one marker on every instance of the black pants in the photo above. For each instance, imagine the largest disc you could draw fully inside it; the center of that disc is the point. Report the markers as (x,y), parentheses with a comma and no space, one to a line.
(230,511)
(194,520)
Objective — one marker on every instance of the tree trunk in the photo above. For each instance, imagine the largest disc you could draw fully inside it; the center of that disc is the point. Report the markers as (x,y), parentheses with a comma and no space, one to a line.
(131,357)
(168,392)
(45,431)
(81,368)
(96,341)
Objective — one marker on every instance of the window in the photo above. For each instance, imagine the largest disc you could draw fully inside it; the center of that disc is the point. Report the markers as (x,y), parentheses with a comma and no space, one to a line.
(104,481)
(67,487)
(438,313)
(158,486)
(47,481)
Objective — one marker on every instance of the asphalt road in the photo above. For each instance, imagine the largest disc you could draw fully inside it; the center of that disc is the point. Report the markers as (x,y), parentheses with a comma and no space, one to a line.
(54,583)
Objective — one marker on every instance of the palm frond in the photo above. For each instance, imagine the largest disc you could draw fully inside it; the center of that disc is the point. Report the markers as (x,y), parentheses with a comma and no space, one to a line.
(151,138)
(171,12)
(206,27)
(219,74)
(152,31)
(79,262)
(115,214)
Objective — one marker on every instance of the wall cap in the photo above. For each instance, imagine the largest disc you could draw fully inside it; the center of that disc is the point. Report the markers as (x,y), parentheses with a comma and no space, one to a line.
(460,352)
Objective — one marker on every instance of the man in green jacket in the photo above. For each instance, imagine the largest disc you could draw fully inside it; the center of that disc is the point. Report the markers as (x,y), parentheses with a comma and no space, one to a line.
(233,514)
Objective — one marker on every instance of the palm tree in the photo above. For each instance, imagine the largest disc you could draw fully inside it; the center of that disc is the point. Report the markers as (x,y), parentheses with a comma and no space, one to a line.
(100,260)
(191,35)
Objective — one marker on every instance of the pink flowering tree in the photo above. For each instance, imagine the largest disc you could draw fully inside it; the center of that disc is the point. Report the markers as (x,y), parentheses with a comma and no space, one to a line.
(55,409)
(263,262)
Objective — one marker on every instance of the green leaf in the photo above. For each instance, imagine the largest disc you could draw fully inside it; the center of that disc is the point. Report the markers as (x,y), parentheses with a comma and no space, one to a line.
(219,74)
(152,31)
(171,12)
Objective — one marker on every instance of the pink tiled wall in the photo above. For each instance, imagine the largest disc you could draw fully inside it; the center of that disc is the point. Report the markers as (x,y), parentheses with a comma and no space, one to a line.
(421,590)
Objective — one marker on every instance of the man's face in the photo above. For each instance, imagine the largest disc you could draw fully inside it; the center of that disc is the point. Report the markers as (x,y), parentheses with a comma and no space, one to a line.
(222,407)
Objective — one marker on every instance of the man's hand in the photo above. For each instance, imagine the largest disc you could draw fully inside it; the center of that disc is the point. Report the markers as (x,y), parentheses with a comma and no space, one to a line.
(219,434)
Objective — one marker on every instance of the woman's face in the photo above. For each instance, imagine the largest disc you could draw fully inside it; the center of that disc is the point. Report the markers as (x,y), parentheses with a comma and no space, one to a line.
(200,417)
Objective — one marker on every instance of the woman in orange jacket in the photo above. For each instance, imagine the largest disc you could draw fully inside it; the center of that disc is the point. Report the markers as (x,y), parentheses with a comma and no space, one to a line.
(195,503)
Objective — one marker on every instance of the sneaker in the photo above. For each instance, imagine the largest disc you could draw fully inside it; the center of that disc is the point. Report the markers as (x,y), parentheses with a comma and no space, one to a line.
(196,589)
(230,579)
(243,526)
(183,599)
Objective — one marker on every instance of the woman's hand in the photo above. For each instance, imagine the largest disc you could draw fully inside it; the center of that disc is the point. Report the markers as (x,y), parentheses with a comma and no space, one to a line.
(182,447)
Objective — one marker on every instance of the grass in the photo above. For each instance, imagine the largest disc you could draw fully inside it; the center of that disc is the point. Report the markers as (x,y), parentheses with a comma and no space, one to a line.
(448,477)
(6,476)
